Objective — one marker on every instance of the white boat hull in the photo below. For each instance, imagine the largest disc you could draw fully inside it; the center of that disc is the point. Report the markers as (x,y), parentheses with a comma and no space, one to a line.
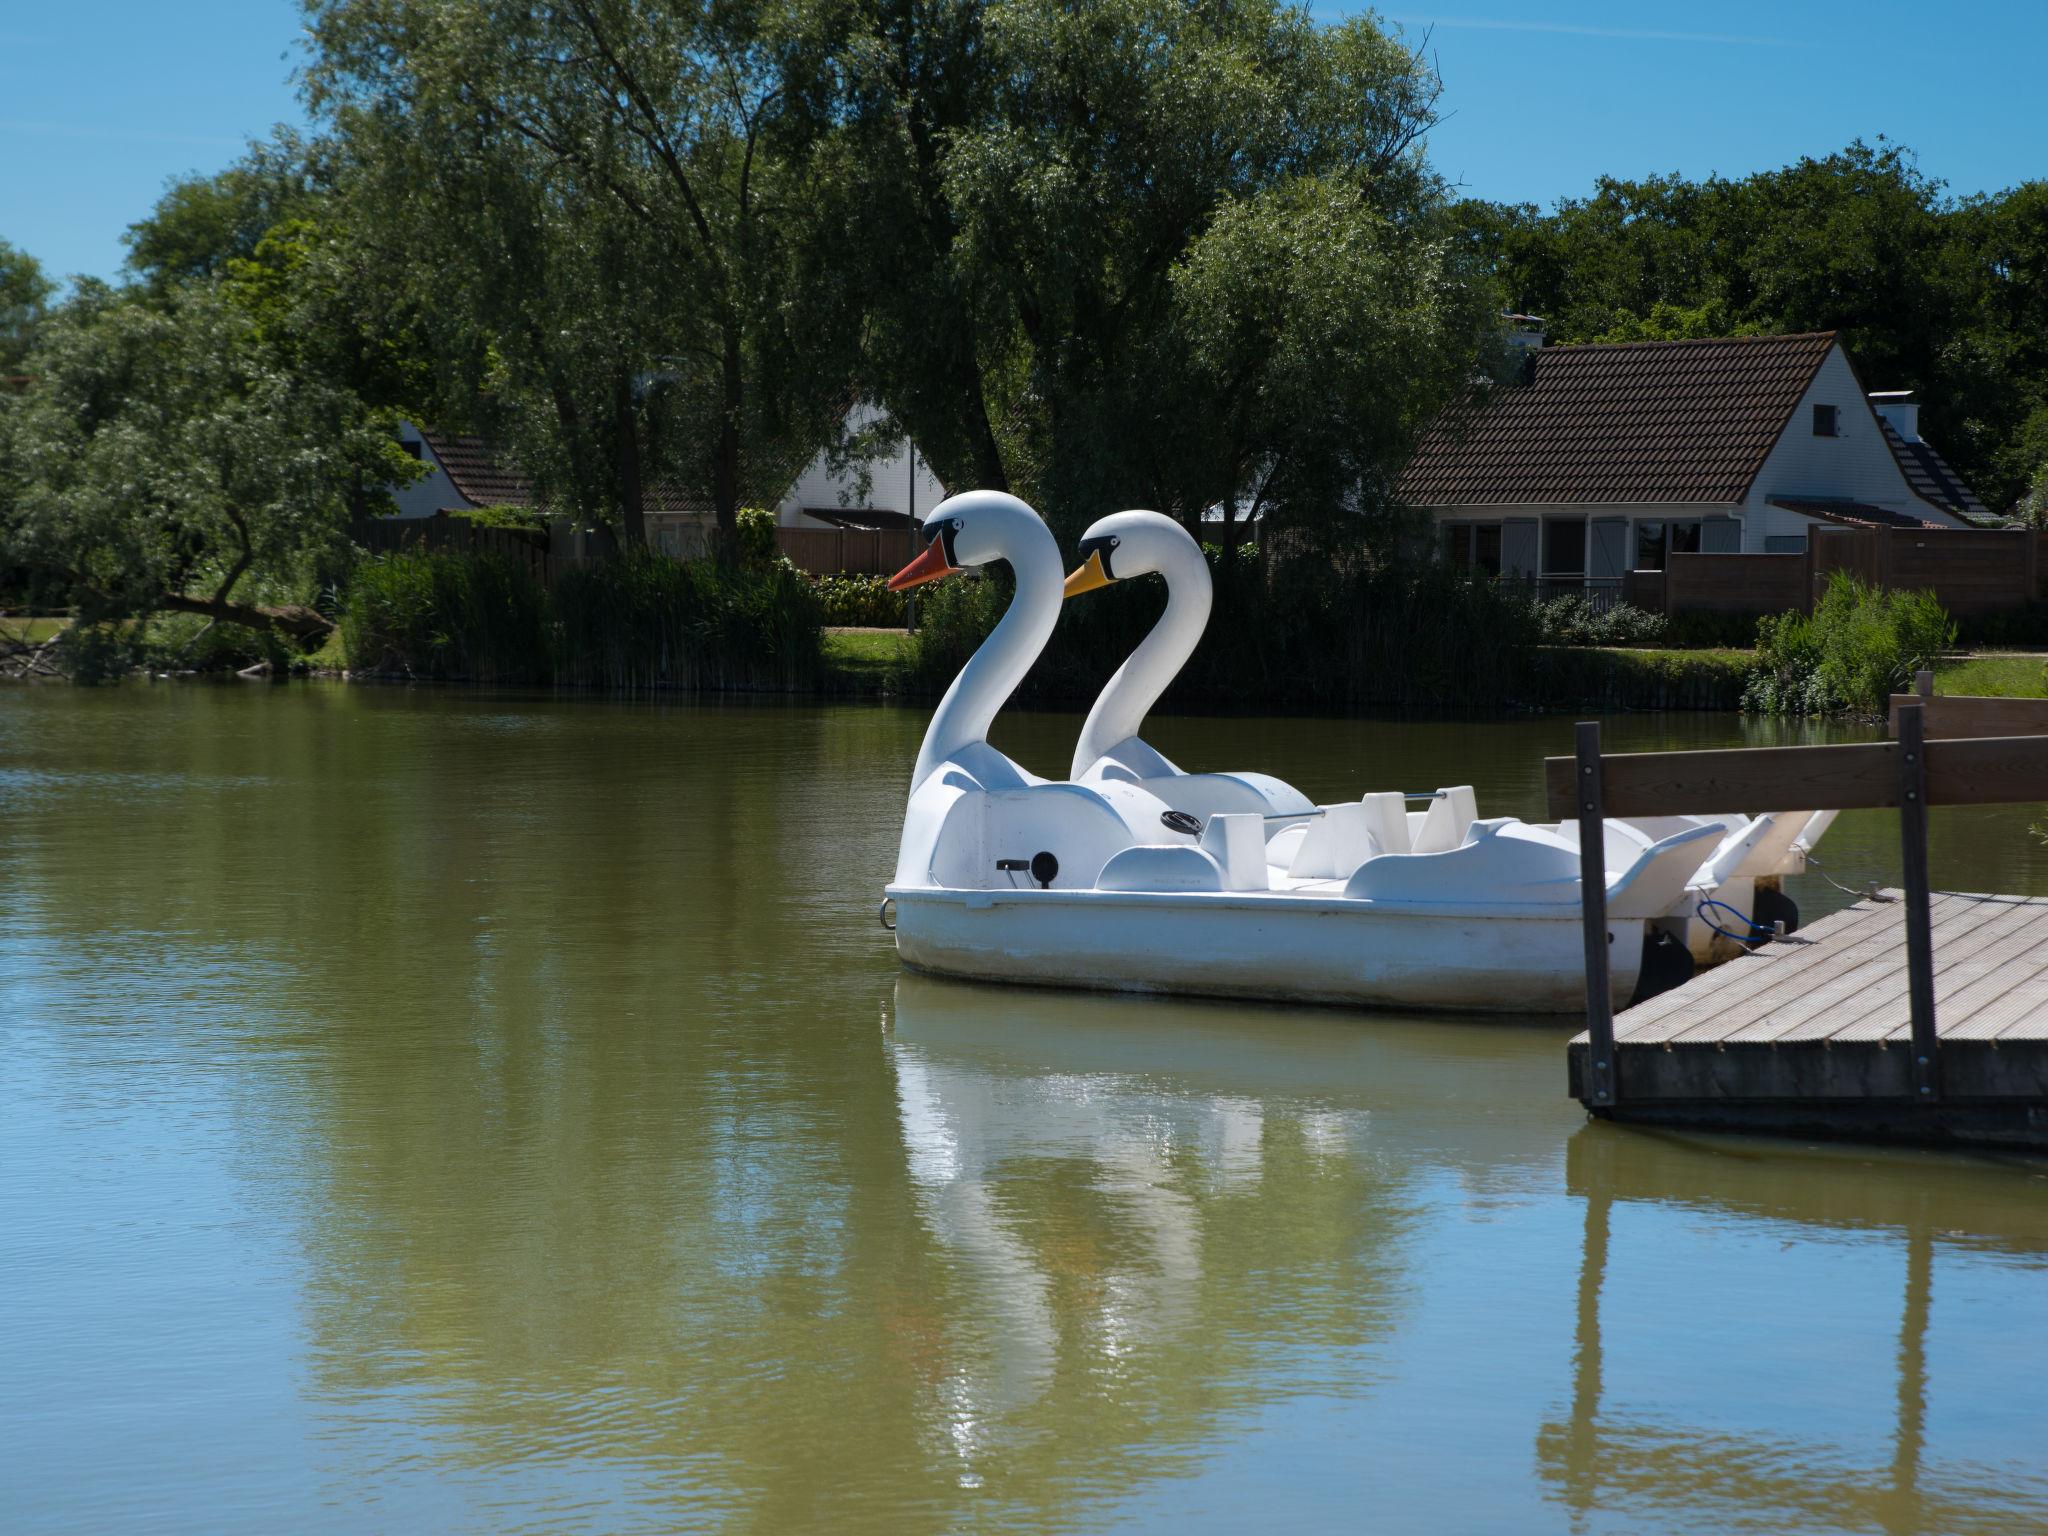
(1272,946)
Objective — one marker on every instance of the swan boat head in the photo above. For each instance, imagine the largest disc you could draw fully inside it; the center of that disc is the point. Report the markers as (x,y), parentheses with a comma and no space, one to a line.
(977,528)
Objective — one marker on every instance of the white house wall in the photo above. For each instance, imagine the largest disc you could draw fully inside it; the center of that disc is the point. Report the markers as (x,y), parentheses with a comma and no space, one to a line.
(1855,465)
(434,491)
(891,485)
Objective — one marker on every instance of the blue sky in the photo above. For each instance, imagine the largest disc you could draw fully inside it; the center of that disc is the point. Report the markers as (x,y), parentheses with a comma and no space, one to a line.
(103,101)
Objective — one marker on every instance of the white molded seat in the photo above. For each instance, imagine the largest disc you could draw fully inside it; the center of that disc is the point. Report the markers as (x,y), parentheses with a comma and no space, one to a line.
(1161,867)
(1237,841)
(1448,819)
(1335,844)
(1386,817)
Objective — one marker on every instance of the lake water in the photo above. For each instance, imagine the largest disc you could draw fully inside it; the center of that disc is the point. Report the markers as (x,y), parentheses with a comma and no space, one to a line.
(434,1111)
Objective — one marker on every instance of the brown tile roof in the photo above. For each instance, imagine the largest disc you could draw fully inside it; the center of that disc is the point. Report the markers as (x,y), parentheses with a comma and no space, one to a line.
(481,473)
(1929,475)
(1654,421)
(1838,509)
(486,476)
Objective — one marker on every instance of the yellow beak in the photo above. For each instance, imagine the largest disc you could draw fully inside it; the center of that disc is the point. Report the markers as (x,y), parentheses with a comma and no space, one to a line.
(1090,576)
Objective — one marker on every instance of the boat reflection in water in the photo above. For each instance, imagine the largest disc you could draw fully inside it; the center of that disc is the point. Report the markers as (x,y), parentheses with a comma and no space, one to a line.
(1156,1219)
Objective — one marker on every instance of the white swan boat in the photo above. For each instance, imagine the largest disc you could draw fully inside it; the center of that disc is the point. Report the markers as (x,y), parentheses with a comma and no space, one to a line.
(1734,896)
(1101,882)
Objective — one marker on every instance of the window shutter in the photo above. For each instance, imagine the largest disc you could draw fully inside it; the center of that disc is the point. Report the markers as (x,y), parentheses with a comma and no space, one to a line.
(1610,548)
(1720,536)
(1518,547)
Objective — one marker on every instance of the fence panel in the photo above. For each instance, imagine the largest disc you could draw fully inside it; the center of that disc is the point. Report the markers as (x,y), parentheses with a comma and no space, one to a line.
(1734,583)
(1972,570)
(852,551)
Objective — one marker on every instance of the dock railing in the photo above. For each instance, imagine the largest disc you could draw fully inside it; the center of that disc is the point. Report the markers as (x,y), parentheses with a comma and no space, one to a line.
(1907,774)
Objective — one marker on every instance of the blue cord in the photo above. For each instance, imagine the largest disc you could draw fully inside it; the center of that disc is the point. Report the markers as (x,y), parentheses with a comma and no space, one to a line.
(1756,929)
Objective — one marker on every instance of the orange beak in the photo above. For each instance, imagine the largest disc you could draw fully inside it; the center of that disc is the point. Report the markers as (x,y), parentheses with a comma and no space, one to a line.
(929,566)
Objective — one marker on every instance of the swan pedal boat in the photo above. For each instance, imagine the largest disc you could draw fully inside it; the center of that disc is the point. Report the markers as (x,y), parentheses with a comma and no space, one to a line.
(1005,876)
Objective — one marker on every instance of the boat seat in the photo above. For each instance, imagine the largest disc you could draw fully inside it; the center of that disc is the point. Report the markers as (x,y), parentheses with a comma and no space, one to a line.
(1334,844)
(1505,860)
(1161,867)
(1448,819)
(1237,841)
(1386,817)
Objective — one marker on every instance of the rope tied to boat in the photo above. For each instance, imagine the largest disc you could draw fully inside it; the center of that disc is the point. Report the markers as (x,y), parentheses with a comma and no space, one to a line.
(1757,931)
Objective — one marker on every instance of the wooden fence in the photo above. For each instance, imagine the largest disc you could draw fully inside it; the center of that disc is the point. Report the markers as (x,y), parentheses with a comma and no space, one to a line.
(387,535)
(1972,571)
(854,551)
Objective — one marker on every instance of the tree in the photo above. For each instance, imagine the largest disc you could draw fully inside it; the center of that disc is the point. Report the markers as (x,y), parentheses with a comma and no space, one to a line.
(24,293)
(1044,178)
(166,459)
(654,183)
(202,223)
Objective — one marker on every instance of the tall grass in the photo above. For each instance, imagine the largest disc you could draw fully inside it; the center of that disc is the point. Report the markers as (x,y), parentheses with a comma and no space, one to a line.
(646,621)
(627,624)
(476,618)
(1858,647)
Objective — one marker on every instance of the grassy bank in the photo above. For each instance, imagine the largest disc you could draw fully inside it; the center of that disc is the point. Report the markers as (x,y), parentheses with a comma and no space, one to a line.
(868,662)
(2019,676)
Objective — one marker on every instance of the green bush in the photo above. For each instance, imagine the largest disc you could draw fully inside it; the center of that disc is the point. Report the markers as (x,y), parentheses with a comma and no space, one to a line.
(754,528)
(863,602)
(478,618)
(645,621)
(1575,621)
(1860,646)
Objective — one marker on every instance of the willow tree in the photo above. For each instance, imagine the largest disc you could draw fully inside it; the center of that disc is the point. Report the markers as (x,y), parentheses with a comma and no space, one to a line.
(1113,214)
(163,457)
(627,195)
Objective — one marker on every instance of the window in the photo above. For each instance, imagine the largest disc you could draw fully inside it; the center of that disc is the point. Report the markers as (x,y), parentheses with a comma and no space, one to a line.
(1473,545)
(1486,548)
(1656,542)
(411,445)
(1824,421)
(1564,546)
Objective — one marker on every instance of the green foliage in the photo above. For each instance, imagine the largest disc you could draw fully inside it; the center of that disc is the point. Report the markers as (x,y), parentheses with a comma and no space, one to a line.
(480,619)
(1575,621)
(1858,648)
(1144,253)
(1301,631)
(754,533)
(166,457)
(203,223)
(644,621)
(24,296)
(514,519)
(630,624)
(861,601)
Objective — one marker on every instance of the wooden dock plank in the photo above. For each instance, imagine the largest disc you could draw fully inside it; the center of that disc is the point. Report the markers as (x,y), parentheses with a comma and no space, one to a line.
(1834,965)
(1968,938)
(1970,974)
(1670,1014)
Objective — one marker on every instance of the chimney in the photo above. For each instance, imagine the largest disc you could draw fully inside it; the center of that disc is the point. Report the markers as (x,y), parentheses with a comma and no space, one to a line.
(1898,407)
(1523,331)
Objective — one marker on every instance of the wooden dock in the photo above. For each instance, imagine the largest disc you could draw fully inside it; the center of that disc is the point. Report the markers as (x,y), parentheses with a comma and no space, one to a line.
(1853,1027)
(1814,1036)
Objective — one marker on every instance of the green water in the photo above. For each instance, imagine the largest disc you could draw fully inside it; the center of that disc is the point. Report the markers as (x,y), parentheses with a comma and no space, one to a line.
(425,1111)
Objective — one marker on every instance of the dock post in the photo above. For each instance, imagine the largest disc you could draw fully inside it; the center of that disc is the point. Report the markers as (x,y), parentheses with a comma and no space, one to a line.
(1912,751)
(1601,1077)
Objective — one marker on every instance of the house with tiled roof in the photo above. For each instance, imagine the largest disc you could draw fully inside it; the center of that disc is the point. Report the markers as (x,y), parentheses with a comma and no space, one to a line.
(1610,458)
(887,491)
